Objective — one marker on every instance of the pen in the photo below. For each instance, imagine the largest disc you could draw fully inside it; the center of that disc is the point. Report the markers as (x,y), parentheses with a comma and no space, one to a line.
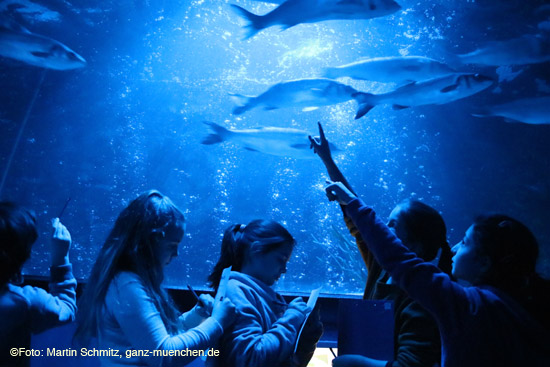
(64,207)
(199,301)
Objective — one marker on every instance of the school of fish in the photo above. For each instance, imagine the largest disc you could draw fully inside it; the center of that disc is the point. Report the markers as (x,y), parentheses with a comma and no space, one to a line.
(419,80)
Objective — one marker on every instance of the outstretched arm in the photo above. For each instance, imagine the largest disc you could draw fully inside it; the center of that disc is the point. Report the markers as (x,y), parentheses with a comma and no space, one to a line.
(321,147)
(423,282)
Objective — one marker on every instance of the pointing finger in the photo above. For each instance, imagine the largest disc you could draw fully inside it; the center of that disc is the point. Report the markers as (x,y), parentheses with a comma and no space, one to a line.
(321,132)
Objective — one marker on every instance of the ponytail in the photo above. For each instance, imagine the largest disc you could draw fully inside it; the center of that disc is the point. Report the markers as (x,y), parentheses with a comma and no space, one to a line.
(445,262)
(232,252)
(258,237)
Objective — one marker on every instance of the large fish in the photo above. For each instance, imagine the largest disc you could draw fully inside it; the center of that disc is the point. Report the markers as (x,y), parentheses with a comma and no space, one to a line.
(293,12)
(434,91)
(306,93)
(284,142)
(18,43)
(397,69)
(529,49)
(534,111)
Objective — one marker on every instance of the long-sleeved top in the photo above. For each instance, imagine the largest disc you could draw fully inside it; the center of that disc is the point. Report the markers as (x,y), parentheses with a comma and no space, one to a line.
(132,321)
(479,326)
(265,330)
(416,335)
(29,310)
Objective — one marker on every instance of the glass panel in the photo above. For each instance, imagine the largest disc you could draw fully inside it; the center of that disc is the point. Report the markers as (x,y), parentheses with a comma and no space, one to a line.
(132,120)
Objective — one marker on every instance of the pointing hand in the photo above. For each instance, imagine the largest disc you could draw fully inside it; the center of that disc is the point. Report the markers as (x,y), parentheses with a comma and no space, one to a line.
(61,243)
(337,191)
(320,145)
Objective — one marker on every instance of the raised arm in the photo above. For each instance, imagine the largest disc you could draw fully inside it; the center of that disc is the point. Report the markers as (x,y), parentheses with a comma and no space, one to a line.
(321,147)
(423,281)
(57,307)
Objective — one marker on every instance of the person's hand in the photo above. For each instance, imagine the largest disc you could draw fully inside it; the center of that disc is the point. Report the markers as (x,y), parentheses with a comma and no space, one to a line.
(61,243)
(313,329)
(299,305)
(224,312)
(314,326)
(350,360)
(208,302)
(337,191)
(320,145)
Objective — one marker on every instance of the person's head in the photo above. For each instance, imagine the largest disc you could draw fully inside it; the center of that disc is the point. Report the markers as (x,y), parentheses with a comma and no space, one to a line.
(421,229)
(17,235)
(146,234)
(496,250)
(260,249)
(144,240)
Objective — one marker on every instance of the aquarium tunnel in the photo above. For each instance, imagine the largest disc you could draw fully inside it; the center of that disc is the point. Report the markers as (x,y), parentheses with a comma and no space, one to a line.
(127,94)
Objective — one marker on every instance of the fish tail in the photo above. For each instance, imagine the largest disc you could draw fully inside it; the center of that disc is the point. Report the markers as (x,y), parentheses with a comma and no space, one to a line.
(219,134)
(366,103)
(243,103)
(256,21)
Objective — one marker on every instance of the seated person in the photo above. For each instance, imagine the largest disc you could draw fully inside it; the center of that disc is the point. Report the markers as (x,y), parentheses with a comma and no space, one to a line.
(124,304)
(266,327)
(30,310)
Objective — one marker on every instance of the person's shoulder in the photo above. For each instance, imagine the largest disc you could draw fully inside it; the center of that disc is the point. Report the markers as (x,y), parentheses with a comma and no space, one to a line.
(240,289)
(126,277)
(236,286)
(123,282)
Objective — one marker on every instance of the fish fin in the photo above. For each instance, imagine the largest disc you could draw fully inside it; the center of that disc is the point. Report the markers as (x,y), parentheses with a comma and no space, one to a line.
(211,139)
(251,149)
(363,110)
(255,21)
(220,134)
(450,88)
(40,54)
(365,101)
(399,107)
(300,146)
(307,109)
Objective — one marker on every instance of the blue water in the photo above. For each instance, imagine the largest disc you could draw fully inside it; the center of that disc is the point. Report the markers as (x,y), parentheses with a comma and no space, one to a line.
(131,120)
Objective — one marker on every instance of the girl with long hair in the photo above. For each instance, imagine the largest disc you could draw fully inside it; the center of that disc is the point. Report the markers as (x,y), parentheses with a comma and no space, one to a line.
(124,305)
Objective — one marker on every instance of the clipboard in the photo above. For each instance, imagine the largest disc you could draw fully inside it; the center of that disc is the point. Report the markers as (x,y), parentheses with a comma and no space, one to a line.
(222,287)
(311,302)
